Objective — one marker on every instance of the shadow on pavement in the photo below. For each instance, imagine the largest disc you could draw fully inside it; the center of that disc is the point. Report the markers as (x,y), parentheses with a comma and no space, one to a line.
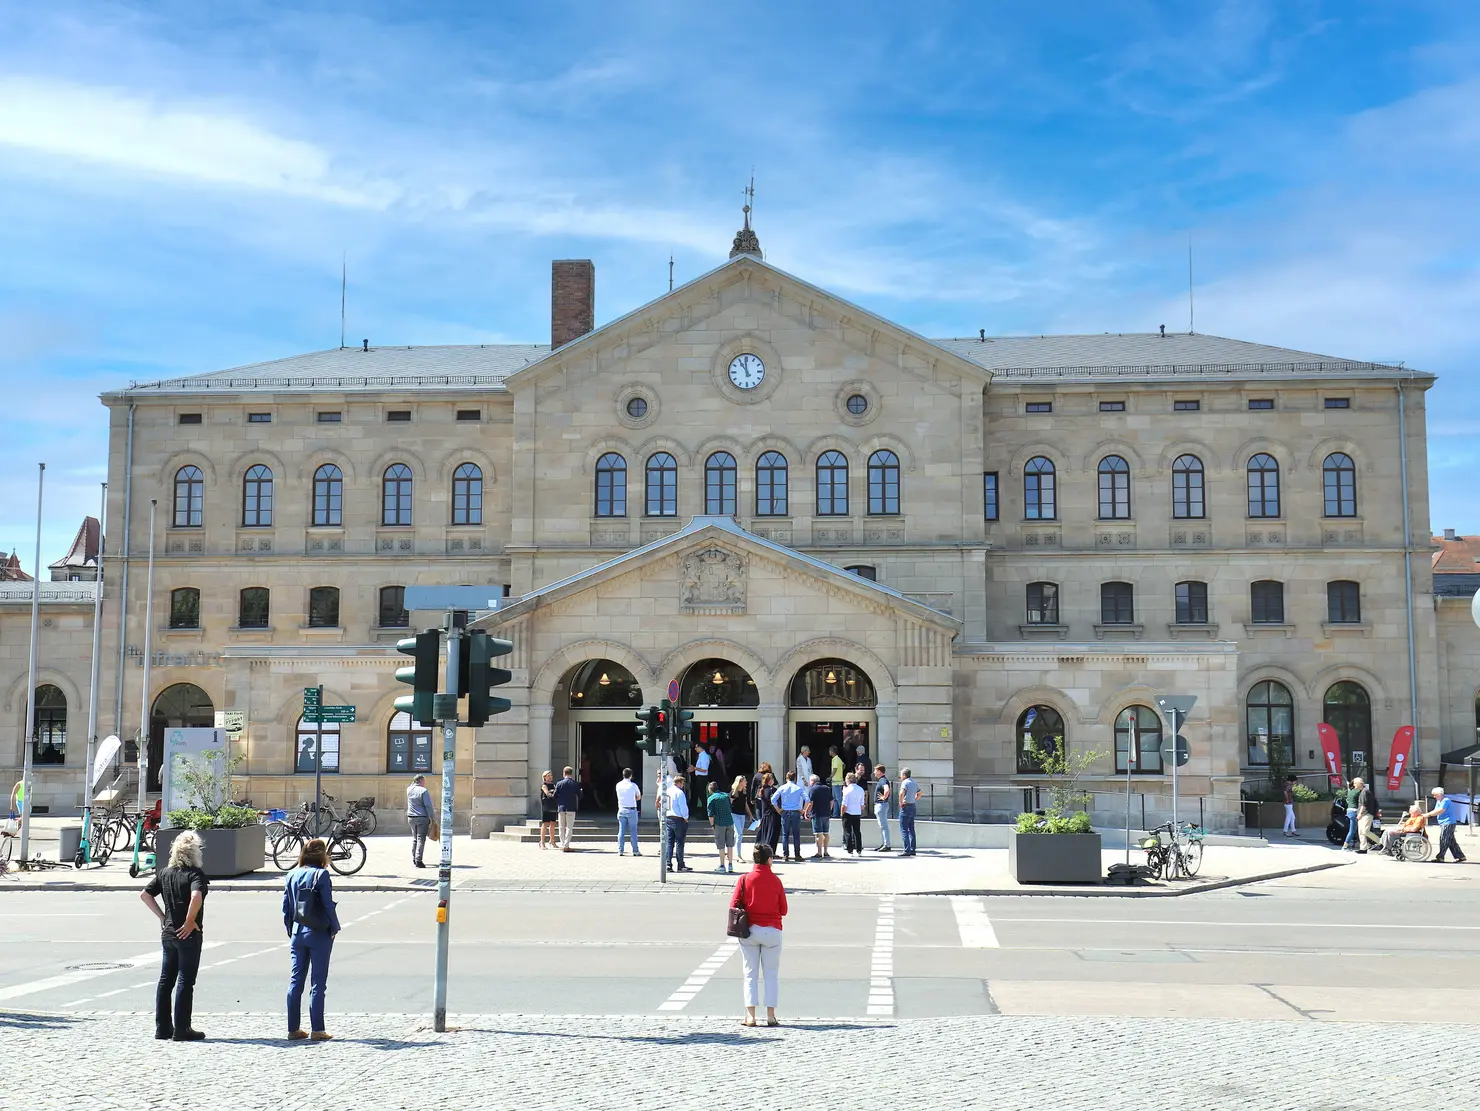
(689,1038)
(24,1021)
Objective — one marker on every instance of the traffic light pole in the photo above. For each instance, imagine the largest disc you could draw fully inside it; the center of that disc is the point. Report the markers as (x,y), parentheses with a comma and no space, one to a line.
(1178,718)
(456,620)
(662,747)
(318,765)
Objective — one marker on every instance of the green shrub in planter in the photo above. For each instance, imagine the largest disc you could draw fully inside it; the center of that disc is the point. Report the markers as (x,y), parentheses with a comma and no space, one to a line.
(1061,812)
(206,783)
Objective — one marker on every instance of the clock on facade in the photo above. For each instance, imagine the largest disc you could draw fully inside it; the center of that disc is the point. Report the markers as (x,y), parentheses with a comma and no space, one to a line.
(747,371)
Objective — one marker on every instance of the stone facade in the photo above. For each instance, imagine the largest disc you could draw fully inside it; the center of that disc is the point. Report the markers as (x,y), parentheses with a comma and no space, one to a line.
(608,564)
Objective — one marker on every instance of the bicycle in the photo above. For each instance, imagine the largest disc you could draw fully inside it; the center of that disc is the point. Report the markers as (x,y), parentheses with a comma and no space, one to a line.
(346,852)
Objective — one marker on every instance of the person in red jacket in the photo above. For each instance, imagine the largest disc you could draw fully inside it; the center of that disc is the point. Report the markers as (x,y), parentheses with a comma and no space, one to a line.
(764,900)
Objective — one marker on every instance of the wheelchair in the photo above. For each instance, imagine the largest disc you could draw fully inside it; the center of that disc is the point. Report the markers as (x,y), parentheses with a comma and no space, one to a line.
(1415,847)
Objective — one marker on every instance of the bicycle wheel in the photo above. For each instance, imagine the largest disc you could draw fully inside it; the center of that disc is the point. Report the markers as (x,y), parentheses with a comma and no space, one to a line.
(347,855)
(321,822)
(100,853)
(7,847)
(285,850)
(366,818)
(1172,863)
(120,834)
(1192,857)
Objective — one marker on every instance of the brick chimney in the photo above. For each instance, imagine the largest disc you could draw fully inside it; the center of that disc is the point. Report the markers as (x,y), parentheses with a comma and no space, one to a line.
(572,299)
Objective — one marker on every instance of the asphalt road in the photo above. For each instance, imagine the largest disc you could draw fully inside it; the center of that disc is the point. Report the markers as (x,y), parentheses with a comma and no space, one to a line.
(1290,950)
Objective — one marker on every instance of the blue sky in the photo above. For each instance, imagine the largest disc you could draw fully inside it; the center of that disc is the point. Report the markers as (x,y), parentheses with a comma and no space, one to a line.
(178,182)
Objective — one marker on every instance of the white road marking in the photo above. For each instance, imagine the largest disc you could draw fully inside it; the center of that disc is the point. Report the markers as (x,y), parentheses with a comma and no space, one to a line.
(881,964)
(1226,922)
(973,924)
(701,976)
(81,976)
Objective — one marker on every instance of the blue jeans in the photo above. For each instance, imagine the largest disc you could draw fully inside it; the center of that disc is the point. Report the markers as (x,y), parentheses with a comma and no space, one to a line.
(907,826)
(310,951)
(678,832)
(627,830)
(791,833)
(1351,825)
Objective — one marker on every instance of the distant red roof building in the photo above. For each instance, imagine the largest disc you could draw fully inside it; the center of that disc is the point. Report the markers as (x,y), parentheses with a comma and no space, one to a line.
(10,570)
(1456,554)
(80,564)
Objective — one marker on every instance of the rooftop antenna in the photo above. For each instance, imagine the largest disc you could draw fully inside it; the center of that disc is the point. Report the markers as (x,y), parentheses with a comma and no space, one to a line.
(1190,317)
(749,197)
(670,273)
(343,281)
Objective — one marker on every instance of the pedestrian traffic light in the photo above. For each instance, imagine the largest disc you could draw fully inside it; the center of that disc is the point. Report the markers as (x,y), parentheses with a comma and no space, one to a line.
(648,728)
(425,647)
(482,677)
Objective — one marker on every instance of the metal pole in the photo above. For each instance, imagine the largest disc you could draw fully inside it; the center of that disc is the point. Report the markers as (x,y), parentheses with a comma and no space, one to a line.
(128,490)
(31,676)
(1408,578)
(663,804)
(97,662)
(1176,732)
(141,753)
(455,622)
(1134,742)
(318,760)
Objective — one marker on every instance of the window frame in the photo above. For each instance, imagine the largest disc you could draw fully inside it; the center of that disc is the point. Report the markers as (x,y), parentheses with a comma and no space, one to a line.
(1145,755)
(1339,485)
(1343,602)
(184,608)
(1115,602)
(318,598)
(396,496)
(1266,707)
(242,621)
(830,465)
(1041,603)
(1190,598)
(991,496)
(1040,485)
(1042,724)
(48,722)
(1260,487)
(1189,488)
(666,486)
(768,467)
(467,494)
(329,731)
(400,617)
(721,485)
(257,496)
(190,497)
(414,733)
(863,571)
(611,485)
(883,484)
(328,496)
(1273,592)
(1115,494)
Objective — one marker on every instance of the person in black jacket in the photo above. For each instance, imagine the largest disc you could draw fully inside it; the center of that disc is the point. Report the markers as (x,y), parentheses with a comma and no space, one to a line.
(183,885)
(1367,812)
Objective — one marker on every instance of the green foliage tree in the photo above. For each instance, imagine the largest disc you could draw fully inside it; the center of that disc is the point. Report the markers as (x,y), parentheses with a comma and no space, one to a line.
(1063,809)
(206,784)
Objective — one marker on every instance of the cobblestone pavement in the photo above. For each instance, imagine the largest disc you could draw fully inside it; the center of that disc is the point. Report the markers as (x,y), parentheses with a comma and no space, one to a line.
(108,1061)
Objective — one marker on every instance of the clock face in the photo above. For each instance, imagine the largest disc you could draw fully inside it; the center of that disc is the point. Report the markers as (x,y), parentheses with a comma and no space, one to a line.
(746,371)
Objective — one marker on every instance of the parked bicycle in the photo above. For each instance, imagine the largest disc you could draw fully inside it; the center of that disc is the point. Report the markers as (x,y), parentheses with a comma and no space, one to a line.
(346,851)
(1174,851)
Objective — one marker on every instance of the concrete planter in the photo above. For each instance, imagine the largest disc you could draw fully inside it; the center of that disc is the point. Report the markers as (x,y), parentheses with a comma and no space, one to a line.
(226,852)
(1054,857)
(1308,815)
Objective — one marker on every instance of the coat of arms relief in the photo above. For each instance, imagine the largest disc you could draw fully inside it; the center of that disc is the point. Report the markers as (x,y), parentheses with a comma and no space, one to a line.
(712,581)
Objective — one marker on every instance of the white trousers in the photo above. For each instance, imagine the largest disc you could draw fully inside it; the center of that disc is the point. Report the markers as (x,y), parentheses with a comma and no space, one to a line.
(761,952)
(567,827)
(1289,818)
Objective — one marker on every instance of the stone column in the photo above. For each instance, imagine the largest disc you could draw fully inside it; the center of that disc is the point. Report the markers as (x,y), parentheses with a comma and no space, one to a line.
(770,738)
(540,744)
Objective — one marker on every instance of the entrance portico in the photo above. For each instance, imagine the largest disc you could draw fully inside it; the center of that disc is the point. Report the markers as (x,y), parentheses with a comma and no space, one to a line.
(756,613)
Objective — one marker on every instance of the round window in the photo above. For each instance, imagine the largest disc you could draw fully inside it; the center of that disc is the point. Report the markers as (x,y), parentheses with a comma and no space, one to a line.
(637,408)
(857,404)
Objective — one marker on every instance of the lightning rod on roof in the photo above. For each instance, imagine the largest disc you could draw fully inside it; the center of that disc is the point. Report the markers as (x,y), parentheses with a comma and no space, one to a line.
(1190,317)
(343,282)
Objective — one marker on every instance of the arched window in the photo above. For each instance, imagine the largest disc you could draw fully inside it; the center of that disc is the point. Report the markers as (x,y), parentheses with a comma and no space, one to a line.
(328,496)
(185,608)
(662,485)
(1269,714)
(832,682)
(190,486)
(50,726)
(1115,489)
(883,483)
(467,495)
(611,485)
(252,608)
(1039,502)
(257,497)
(309,735)
(1348,710)
(180,706)
(1339,475)
(395,501)
(1040,733)
(603,685)
(719,483)
(408,746)
(1138,740)
(1187,488)
(1043,603)
(771,485)
(1264,486)
(323,607)
(718,683)
(832,485)
(393,613)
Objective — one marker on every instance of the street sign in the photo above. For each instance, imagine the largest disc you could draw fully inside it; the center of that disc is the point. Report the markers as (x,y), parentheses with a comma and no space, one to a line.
(1181,703)
(454,597)
(310,696)
(233,721)
(1183,751)
(672,690)
(341,714)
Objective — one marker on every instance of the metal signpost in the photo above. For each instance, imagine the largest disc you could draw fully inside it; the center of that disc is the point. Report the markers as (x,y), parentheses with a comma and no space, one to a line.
(1176,707)
(141,752)
(30,728)
(315,711)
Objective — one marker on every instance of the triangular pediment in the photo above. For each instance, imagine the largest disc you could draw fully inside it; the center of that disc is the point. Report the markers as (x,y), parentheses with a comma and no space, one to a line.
(713,567)
(748,279)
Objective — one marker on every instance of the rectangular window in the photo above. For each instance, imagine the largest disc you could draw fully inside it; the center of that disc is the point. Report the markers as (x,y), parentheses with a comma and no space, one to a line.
(259,418)
(863,571)
(470,414)
(308,739)
(1186,406)
(189,418)
(1338,403)
(398,416)
(1343,603)
(329,418)
(1192,603)
(1040,407)
(393,613)
(1043,603)
(1261,403)
(254,606)
(1267,603)
(323,607)
(185,608)
(989,496)
(1117,604)
(409,751)
(1112,406)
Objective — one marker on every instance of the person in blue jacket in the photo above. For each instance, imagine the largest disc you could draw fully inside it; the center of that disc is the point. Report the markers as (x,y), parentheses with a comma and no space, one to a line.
(311,922)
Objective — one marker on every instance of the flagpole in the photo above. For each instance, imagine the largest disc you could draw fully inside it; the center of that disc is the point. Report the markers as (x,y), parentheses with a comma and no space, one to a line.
(97,652)
(31,675)
(141,755)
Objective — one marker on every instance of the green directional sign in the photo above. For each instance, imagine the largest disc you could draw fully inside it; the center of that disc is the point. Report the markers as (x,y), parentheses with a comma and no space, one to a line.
(310,696)
(341,714)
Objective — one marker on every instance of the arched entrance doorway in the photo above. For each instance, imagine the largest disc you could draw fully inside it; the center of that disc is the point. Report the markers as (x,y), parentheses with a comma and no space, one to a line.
(725,702)
(831,704)
(599,738)
(1348,710)
(182,706)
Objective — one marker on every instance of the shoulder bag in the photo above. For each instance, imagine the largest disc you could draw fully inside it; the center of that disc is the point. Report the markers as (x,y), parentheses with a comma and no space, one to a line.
(739,923)
(305,910)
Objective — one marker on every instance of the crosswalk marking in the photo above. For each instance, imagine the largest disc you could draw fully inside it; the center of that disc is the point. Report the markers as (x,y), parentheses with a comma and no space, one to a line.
(973,924)
(881,964)
(701,976)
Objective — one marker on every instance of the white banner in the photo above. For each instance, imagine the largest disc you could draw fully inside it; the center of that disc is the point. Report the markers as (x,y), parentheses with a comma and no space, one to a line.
(107,750)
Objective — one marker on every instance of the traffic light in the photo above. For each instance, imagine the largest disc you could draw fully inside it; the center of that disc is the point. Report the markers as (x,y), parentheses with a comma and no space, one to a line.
(482,649)
(425,647)
(682,730)
(648,729)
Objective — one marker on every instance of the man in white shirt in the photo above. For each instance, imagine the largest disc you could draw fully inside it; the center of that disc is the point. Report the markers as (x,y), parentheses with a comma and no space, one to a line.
(853,800)
(629,794)
(678,823)
(804,766)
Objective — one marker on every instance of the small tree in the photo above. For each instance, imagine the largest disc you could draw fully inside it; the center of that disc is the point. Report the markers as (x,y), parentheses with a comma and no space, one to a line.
(205,781)
(1062,812)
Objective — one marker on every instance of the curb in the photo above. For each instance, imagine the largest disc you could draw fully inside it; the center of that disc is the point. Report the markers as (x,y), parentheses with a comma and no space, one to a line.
(1141,892)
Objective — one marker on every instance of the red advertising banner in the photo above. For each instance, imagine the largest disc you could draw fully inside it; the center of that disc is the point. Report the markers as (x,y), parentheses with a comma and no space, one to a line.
(1331,750)
(1398,760)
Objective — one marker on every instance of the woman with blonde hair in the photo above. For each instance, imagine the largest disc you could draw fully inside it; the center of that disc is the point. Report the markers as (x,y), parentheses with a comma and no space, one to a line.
(312,923)
(740,807)
(183,885)
(548,813)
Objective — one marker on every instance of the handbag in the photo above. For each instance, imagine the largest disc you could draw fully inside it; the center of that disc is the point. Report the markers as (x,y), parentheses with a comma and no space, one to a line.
(739,922)
(304,912)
